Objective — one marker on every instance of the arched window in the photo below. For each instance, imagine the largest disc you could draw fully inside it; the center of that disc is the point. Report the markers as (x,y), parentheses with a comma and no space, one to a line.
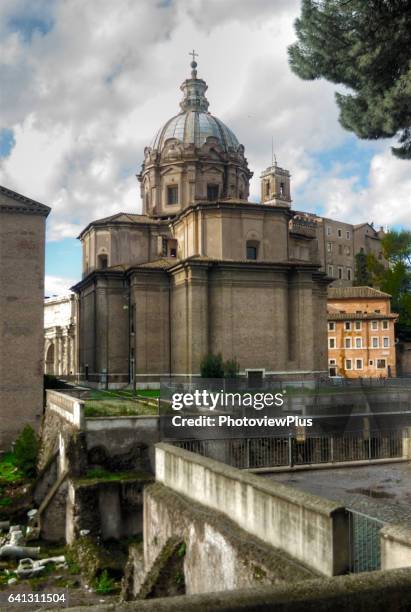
(102,261)
(252,249)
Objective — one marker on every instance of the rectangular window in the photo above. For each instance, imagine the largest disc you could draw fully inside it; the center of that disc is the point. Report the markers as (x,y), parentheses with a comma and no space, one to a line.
(251,252)
(348,364)
(329,247)
(358,343)
(347,250)
(331,271)
(381,364)
(332,343)
(348,234)
(386,342)
(347,325)
(347,342)
(329,232)
(331,326)
(358,325)
(340,249)
(212,192)
(332,361)
(339,233)
(371,362)
(349,274)
(340,273)
(358,364)
(172,194)
(374,325)
(375,342)
(385,324)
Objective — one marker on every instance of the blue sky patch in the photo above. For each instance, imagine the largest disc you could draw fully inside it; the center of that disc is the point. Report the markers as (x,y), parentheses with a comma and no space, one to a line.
(28,25)
(63,258)
(7,142)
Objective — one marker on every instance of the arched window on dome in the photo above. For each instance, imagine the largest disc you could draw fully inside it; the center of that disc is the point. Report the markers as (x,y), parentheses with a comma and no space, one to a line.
(102,261)
(252,249)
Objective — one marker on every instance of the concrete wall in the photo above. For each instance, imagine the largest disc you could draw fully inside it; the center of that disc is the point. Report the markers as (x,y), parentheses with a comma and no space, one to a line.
(21,322)
(395,543)
(311,529)
(108,509)
(219,555)
(125,437)
(376,591)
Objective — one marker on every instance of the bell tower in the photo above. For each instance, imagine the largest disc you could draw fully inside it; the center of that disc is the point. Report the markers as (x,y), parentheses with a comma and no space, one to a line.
(275,186)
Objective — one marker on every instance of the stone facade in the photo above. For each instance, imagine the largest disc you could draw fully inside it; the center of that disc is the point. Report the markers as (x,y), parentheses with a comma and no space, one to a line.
(22,238)
(60,335)
(361,334)
(339,243)
(202,269)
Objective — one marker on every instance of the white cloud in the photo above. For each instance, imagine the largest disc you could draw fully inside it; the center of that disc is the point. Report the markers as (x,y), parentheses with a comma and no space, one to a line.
(85,99)
(57,285)
(386,200)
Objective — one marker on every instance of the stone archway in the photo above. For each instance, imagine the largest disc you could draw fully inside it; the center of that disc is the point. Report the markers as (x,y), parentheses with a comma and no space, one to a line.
(49,359)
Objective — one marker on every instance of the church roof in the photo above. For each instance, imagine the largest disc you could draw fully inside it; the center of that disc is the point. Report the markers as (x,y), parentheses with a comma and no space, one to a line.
(359,316)
(120,218)
(194,127)
(348,293)
(194,124)
(11,201)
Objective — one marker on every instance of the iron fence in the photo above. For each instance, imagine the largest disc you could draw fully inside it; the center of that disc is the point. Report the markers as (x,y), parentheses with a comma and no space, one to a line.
(364,545)
(300,449)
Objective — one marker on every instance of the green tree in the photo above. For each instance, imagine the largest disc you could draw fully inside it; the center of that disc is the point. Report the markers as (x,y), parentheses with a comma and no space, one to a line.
(212,366)
(26,449)
(396,280)
(231,368)
(362,277)
(366,47)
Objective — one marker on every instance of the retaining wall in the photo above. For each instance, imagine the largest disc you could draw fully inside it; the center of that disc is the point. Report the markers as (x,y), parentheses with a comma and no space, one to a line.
(309,528)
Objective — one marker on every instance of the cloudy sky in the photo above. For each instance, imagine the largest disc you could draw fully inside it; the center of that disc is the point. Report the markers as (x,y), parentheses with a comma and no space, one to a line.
(84,86)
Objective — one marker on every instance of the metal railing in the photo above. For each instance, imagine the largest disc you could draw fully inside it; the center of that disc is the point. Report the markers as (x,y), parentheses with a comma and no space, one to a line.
(297,449)
(365,543)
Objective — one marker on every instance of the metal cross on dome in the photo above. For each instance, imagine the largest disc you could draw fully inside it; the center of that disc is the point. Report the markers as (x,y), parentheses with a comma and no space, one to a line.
(193,54)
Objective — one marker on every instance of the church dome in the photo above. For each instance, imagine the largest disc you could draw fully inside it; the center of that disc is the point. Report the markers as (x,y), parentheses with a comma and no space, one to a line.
(194,124)
(194,127)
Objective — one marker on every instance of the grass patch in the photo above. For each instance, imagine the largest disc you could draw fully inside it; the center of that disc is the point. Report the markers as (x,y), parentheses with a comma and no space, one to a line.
(113,407)
(104,584)
(9,472)
(123,393)
(149,392)
(101,475)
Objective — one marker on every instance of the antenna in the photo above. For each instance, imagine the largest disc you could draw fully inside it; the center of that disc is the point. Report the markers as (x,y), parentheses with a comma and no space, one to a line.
(273,157)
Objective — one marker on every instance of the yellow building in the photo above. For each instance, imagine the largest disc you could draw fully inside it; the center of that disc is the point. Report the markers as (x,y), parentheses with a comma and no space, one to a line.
(361,339)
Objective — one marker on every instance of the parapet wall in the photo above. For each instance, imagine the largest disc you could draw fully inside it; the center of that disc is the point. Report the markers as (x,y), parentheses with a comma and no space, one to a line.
(311,529)
(395,547)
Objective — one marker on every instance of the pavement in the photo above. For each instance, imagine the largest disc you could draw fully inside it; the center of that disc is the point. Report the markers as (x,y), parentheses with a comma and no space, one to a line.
(380,491)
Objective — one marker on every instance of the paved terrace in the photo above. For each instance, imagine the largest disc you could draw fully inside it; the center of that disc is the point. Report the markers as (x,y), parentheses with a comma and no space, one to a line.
(381,491)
